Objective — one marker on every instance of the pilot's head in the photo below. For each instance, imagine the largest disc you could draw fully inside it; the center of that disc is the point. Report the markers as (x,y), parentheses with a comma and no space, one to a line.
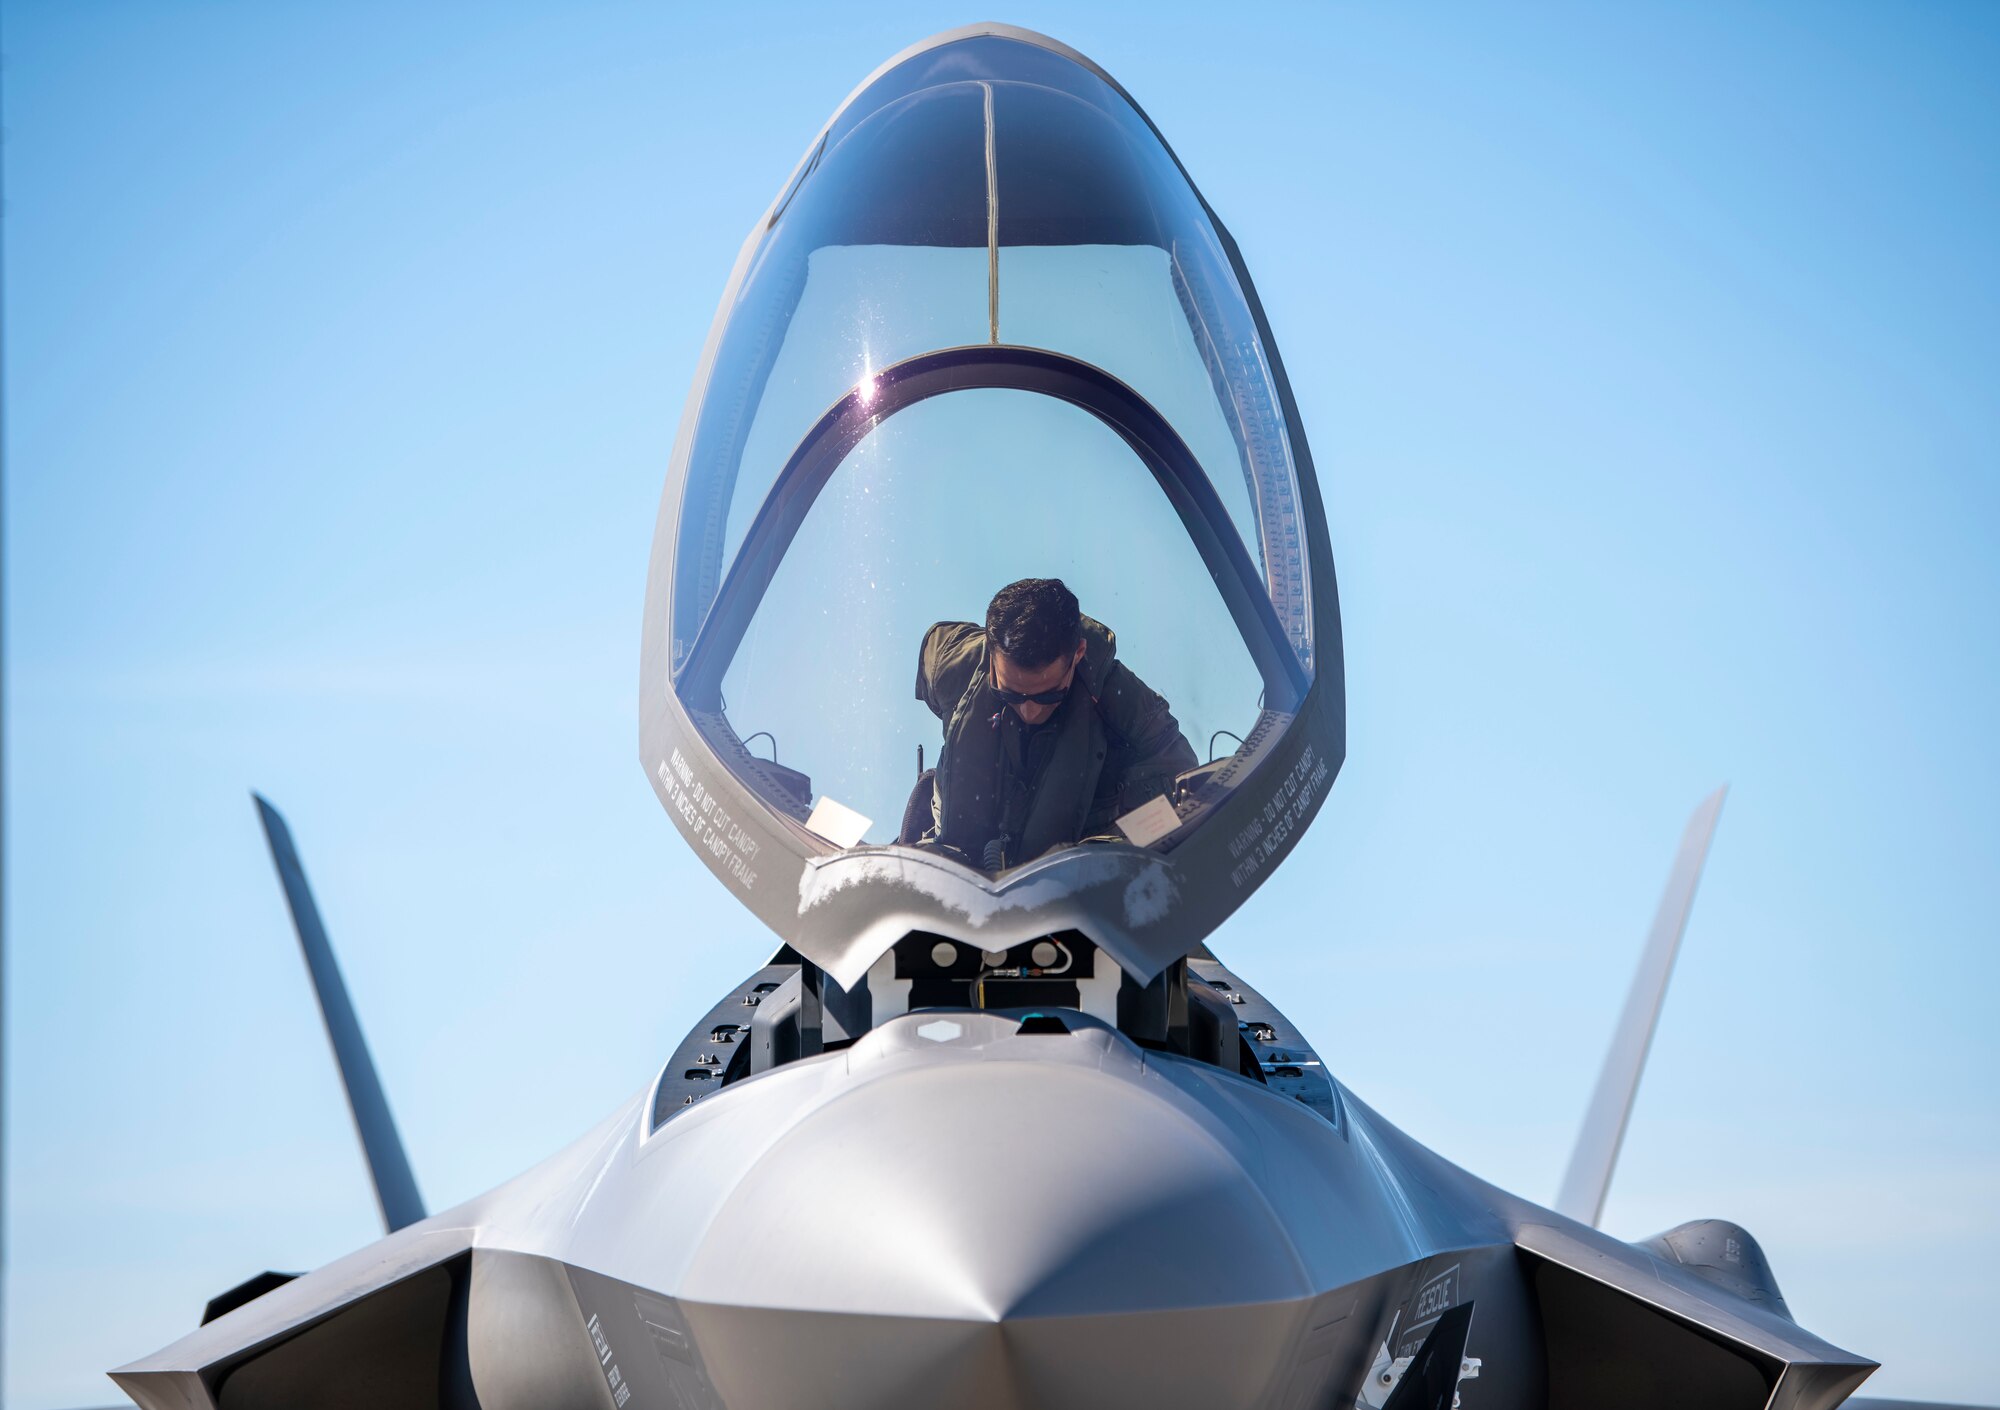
(1034,638)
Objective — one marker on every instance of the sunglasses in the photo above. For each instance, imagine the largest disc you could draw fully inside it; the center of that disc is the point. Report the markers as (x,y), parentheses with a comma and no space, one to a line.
(1040,697)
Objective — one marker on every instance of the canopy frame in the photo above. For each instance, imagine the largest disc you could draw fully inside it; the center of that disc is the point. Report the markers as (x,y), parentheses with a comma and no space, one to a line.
(902,385)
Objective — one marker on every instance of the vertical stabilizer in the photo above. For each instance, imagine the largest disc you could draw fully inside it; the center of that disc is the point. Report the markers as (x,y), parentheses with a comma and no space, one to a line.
(395,1186)
(1596,1153)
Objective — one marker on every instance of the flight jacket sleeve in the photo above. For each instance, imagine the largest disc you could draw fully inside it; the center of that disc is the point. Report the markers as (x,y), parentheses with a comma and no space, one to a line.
(1147,749)
(945,663)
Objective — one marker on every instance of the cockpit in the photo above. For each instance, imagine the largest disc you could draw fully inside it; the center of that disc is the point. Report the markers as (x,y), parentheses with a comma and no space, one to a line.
(1047,988)
(990,335)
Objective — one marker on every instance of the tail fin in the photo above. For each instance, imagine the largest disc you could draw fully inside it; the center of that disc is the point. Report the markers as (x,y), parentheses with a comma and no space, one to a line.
(1596,1153)
(395,1186)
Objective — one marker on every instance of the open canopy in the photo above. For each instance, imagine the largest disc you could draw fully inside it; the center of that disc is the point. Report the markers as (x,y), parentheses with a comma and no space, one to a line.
(989,331)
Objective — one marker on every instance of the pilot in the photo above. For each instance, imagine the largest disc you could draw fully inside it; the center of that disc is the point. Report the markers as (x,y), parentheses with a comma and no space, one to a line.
(1048,737)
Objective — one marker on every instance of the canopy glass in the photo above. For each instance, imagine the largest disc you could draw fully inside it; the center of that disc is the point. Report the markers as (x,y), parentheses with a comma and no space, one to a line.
(989,334)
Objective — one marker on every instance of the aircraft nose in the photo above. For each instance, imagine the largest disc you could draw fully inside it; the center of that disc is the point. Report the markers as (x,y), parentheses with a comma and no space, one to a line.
(1041,1222)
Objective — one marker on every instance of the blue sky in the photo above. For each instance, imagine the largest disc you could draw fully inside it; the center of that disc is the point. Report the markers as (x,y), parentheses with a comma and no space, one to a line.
(1648,356)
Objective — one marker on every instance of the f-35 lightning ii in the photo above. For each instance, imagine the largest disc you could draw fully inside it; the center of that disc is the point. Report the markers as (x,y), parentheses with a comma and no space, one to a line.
(993,1128)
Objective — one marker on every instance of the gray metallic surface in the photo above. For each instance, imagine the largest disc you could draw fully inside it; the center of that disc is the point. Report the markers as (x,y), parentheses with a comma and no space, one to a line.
(716,1047)
(972,1216)
(525,1348)
(388,1166)
(1727,1255)
(1285,1061)
(1596,1154)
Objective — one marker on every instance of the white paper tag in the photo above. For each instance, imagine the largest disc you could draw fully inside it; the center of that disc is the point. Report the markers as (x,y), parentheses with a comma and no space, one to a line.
(1149,822)
(838,823)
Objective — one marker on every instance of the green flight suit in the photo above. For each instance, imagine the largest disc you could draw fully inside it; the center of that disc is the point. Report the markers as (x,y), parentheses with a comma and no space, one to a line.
(1112,745)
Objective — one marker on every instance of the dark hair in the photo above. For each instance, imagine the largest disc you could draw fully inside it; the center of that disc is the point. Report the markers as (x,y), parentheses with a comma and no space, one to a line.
(1034,622)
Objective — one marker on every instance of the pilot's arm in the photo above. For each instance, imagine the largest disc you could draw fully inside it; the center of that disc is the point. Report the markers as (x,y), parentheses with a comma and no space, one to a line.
(1147,749)
(945,663)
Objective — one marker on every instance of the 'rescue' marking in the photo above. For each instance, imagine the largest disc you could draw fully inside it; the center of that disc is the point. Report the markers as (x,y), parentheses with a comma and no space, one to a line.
(620,1391)
(1435,1298)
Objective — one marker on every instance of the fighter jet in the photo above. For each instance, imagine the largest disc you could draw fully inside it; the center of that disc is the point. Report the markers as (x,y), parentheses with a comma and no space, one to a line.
(993,1127)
